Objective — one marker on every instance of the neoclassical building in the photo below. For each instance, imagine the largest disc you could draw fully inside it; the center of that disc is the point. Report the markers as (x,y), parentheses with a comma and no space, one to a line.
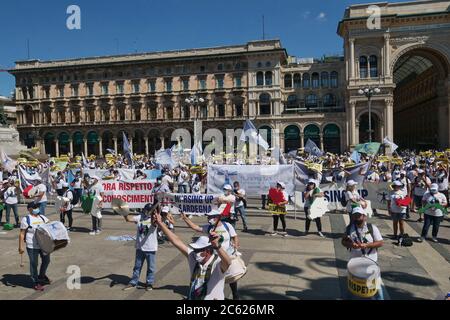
(84,105)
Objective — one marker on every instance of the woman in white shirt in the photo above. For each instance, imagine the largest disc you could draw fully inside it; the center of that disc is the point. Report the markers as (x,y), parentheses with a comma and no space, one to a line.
(352,197)
(10,196)
(433,215)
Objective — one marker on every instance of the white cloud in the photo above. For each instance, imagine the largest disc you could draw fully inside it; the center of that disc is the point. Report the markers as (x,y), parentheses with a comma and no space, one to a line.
(321,17)
(306,14)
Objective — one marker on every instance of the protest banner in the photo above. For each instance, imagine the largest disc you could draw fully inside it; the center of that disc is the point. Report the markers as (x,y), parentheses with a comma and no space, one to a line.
(256,180)
(189,203)
(135,193)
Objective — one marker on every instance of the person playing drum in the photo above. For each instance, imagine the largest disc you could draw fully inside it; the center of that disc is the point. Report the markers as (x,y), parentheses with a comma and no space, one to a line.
(228,237)
(28,227)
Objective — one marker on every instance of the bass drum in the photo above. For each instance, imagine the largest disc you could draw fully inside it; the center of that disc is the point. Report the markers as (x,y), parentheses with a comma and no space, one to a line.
(52,236)
(236,270)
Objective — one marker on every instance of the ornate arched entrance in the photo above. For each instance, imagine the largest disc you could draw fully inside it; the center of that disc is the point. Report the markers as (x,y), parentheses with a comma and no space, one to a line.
(421,99)
(364,128)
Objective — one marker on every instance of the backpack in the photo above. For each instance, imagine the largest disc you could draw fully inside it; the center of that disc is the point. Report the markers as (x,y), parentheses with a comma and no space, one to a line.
(405,240)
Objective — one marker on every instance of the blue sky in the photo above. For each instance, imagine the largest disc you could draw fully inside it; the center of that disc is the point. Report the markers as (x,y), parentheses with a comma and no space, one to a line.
(307,28)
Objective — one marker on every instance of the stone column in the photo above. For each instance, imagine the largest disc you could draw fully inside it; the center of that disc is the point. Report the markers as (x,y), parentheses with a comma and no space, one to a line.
(146,145)
(71,146)
(321,141)
(100,147)
(57,147)
(162,142)
(389,118)
(352,122)
(115,144)
(387,55)
(85,148)
(352,58)
(131,144)
(302,140)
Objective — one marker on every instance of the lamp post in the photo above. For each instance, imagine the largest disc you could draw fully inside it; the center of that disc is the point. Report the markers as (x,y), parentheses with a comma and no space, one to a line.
(196,101)
(369,92)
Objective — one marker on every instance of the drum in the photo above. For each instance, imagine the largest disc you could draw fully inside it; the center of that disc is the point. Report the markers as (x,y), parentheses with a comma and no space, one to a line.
(236,270)
(52,236)
(363,278)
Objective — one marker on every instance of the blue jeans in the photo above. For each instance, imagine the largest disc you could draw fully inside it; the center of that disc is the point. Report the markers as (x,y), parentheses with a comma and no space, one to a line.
(42,207)
(8,211)
(34,254)
(431,220)
(241,211)
(150,256)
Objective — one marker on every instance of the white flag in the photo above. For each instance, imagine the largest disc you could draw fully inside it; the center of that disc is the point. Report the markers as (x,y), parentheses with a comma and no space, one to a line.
(391,144)
(7,162)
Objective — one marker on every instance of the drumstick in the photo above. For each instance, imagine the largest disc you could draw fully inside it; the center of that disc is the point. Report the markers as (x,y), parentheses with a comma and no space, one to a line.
(21,261)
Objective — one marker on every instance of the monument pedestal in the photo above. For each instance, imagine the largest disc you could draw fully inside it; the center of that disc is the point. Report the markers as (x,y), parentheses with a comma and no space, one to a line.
(10,142)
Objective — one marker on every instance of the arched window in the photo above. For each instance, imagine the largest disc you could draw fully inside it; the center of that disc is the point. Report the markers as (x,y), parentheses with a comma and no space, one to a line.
(297,80)
(334,79)
(78,143)
(373,62)
(268,78)
(363,67)
(266,133)
(49,142)
(306,81)
(264,104)
(324,81)
(311,101)
(329,100)
(315,80)
(63,139)
(332,138)
(292,101)
(260,78)
(291,138)
(312,132)
(288,81)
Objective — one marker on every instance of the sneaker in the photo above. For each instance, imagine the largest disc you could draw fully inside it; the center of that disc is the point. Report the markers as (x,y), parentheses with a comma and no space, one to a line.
(69,229)
(38,287)
(285,234)
(274,233)
(98,232)
(245,230)
(129,286)
(148,287)
(45,280)
(92,233)
(320,234)
(421,239)
(434,239)
(419,220)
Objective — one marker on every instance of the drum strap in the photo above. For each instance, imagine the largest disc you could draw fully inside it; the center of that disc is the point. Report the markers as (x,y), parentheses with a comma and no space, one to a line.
(370,227)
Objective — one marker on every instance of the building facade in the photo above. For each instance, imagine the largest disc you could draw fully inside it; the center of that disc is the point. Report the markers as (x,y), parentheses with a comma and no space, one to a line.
(84,105)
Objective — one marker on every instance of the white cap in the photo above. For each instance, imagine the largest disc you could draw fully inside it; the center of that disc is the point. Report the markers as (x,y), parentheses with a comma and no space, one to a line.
(227,187)
(352,183)
(281,184)
(311,181)
(434,187)
(201,243)
(165,209)
(397,183)
(420,171)
(65,185)
(359,210)
(213,213)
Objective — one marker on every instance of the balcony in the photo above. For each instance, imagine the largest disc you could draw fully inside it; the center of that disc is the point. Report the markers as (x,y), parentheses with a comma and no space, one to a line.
(318,109)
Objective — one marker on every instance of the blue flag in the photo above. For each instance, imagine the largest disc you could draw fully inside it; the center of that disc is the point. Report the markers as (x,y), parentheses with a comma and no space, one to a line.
(250,131)
(356,157)
(127,149)
(312,148)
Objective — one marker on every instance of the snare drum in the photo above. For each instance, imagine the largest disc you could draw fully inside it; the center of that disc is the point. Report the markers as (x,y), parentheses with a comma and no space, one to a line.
(52,236)
(363,279)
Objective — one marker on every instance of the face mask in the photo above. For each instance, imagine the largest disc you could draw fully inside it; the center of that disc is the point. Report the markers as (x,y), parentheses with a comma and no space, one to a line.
(227,192)
(199,258)
(35,211)
(212,221)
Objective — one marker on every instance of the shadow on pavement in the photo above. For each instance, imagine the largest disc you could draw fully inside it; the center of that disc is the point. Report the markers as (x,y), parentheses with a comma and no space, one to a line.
(80,230)
(256,232)
(407,278)
(319,289)
(13,280)
(182,290)
(328,262)
(278,267)
(263,292)
(115,279)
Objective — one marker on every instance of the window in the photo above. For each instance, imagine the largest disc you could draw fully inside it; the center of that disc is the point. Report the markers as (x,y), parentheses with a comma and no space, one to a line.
(168,85)
(268,64)
(119,88)
(202,84)
(373,61)
(292,101)
(168,70)
(264,104)
(60,92)
(90,89)
(219,82)
(315,80)
(202,68)
(306,81)
(221,110)
(238,110)
(324,80)
(334,79)
(237,66)
(169,112)
(136,87)
(220,67)
(329,100)
(186,84)
(203,112)
(151,86)
(259,78)
(297,80)
(268,78)
(47,93)
(104,88)
(237,81)
(363,67)
(311,101)
(288,81)
(74,91)
(259,65)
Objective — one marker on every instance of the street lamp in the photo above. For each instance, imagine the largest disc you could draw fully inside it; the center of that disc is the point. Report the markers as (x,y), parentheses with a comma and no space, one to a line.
(369,92)
(196,101)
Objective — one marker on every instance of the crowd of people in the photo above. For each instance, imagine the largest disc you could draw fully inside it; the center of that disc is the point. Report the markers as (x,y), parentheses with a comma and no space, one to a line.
(423,178)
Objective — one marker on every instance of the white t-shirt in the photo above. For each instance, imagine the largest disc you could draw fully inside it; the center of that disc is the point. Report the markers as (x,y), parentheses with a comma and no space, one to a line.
(421,187)
(146,235)
(166,180)
(227,235)
(351,196)
(230,199)
(69,195)
(436,198)
(10,195)
(97,188)
(35,222)
(240,203)
(183,178)
(59,183)
(77,184)
(397,195)
(216,283)
(42,188)
(442,181)
(366,237)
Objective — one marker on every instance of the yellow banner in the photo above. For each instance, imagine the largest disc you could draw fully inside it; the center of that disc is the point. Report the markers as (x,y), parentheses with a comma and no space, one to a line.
(274,209)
